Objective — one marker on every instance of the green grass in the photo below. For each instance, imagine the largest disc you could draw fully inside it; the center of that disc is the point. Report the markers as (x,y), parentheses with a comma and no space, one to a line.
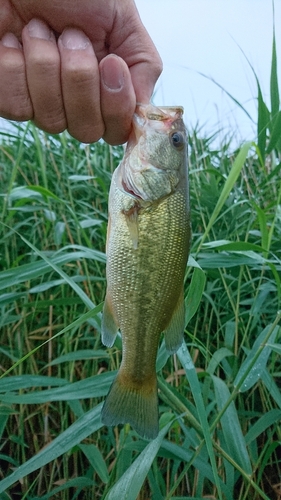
(220,402)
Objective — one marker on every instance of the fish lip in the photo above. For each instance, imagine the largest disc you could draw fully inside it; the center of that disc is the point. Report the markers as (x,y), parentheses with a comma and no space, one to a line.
(159,112)
(149,112)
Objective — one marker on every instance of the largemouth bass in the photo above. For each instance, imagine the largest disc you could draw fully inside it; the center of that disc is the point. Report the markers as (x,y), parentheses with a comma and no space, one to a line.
(147,249)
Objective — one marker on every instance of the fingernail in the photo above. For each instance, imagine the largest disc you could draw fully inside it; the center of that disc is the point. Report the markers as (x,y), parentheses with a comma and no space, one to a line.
(38,29)
(74,39)
(112,74)
(9,40)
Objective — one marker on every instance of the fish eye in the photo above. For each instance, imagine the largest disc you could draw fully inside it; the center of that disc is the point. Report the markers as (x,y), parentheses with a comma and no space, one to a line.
(177,140)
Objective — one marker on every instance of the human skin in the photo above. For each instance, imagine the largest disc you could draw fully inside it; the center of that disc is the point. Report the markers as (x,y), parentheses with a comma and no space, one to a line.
(80,66)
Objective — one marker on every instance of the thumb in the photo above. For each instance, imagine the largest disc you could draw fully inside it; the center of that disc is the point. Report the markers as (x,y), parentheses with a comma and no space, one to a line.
(144,76)
(131,41)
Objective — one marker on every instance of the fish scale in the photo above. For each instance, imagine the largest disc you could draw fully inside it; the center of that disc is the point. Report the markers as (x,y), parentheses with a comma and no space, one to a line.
(147,250)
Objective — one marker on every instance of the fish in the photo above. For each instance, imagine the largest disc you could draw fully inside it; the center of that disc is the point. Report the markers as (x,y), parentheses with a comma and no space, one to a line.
(148,241)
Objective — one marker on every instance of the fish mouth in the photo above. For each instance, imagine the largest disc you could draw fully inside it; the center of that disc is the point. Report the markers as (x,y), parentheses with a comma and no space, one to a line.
(150,116)
(159,113)
(160,117)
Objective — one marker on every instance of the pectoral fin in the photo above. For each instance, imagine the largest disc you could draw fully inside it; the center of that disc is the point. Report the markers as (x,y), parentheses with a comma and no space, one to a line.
(175,330)
(109,327)
(133,225)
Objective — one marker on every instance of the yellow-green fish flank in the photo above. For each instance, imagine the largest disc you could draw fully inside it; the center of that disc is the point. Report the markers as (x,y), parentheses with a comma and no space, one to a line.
(147,250)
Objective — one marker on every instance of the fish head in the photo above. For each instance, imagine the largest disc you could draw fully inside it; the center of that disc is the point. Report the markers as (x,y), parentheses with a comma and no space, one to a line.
(155,161)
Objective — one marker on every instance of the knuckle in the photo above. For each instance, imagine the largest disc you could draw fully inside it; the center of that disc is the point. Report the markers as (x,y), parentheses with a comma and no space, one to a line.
(45,65)
(80,81)
(83,75)
(11,61)
(15,102)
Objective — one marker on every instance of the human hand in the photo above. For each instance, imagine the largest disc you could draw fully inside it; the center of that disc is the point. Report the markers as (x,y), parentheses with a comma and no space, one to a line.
(80,66)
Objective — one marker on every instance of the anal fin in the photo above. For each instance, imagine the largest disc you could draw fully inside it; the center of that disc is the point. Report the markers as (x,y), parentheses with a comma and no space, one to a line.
(109,327)
(175,329)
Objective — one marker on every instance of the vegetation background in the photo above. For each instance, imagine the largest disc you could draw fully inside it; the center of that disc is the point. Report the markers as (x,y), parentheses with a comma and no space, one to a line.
(220,401)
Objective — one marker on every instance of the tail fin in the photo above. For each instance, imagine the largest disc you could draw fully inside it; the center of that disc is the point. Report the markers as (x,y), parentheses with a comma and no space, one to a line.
(137,406)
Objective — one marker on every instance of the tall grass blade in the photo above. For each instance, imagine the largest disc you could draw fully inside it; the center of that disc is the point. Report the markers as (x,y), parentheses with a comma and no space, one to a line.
(263,226)
(231,428)
(272,387)
(192,378)
(275,347)
(195,292)
(79,355)
(236,102)
(96,460)
(255,363)
(87,301)
(92,387)
(200,463)
(16,383)
(274,88)
(263,123)
(274,142)
(77,482)
(26,272)
(265,421)
(228,186)
(129,485)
